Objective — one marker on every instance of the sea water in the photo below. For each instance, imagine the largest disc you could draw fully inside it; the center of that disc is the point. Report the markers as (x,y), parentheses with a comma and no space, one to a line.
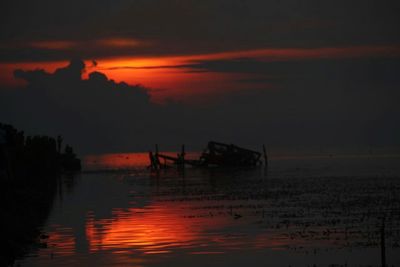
(299,211)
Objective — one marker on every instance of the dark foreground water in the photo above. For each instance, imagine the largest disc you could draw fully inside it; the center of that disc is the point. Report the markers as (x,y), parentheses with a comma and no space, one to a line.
(322,211)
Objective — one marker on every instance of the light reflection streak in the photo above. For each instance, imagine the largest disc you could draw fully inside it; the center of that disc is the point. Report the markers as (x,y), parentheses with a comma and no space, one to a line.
(61,241)
(167,220)
(165,227)
(156,230)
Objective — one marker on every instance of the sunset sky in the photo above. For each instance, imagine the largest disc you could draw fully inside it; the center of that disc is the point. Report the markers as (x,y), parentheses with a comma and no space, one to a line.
(320,73)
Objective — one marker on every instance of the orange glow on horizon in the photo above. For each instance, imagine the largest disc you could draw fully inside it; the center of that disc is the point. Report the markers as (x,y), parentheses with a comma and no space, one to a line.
(172,77)
(258,54)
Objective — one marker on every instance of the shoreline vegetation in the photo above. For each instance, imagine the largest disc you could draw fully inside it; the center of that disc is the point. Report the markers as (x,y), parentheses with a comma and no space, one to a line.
(30,171)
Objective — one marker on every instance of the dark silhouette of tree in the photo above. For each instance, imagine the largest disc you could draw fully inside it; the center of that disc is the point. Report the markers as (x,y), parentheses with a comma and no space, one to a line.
(29,171)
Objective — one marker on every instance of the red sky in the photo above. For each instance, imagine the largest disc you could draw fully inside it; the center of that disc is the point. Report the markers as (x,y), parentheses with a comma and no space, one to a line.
(175,76)
(291,72)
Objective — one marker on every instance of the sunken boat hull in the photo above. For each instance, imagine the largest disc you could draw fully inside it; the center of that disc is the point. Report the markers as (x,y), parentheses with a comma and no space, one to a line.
(215,155)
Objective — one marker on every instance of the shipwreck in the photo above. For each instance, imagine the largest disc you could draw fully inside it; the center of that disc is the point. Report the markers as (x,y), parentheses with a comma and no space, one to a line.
(215,155)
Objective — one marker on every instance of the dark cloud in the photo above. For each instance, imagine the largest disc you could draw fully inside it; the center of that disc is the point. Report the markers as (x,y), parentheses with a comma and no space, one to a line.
(65,102)
(190,26)
(313,103)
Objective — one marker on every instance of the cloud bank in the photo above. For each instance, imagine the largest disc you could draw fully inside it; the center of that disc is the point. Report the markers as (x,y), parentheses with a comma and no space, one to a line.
(313,104)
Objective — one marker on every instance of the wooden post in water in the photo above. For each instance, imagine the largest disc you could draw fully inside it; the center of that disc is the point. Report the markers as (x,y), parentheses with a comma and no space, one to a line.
(152,167)
(383,247)
(265,156)
(157,160)
(182,158)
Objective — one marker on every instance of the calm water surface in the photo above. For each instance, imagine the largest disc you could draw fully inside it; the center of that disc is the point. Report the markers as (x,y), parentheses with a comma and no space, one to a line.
(300,211)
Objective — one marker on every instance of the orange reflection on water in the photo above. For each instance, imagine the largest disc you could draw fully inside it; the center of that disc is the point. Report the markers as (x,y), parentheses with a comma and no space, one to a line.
(62,241)
(116,161)
(153,230)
